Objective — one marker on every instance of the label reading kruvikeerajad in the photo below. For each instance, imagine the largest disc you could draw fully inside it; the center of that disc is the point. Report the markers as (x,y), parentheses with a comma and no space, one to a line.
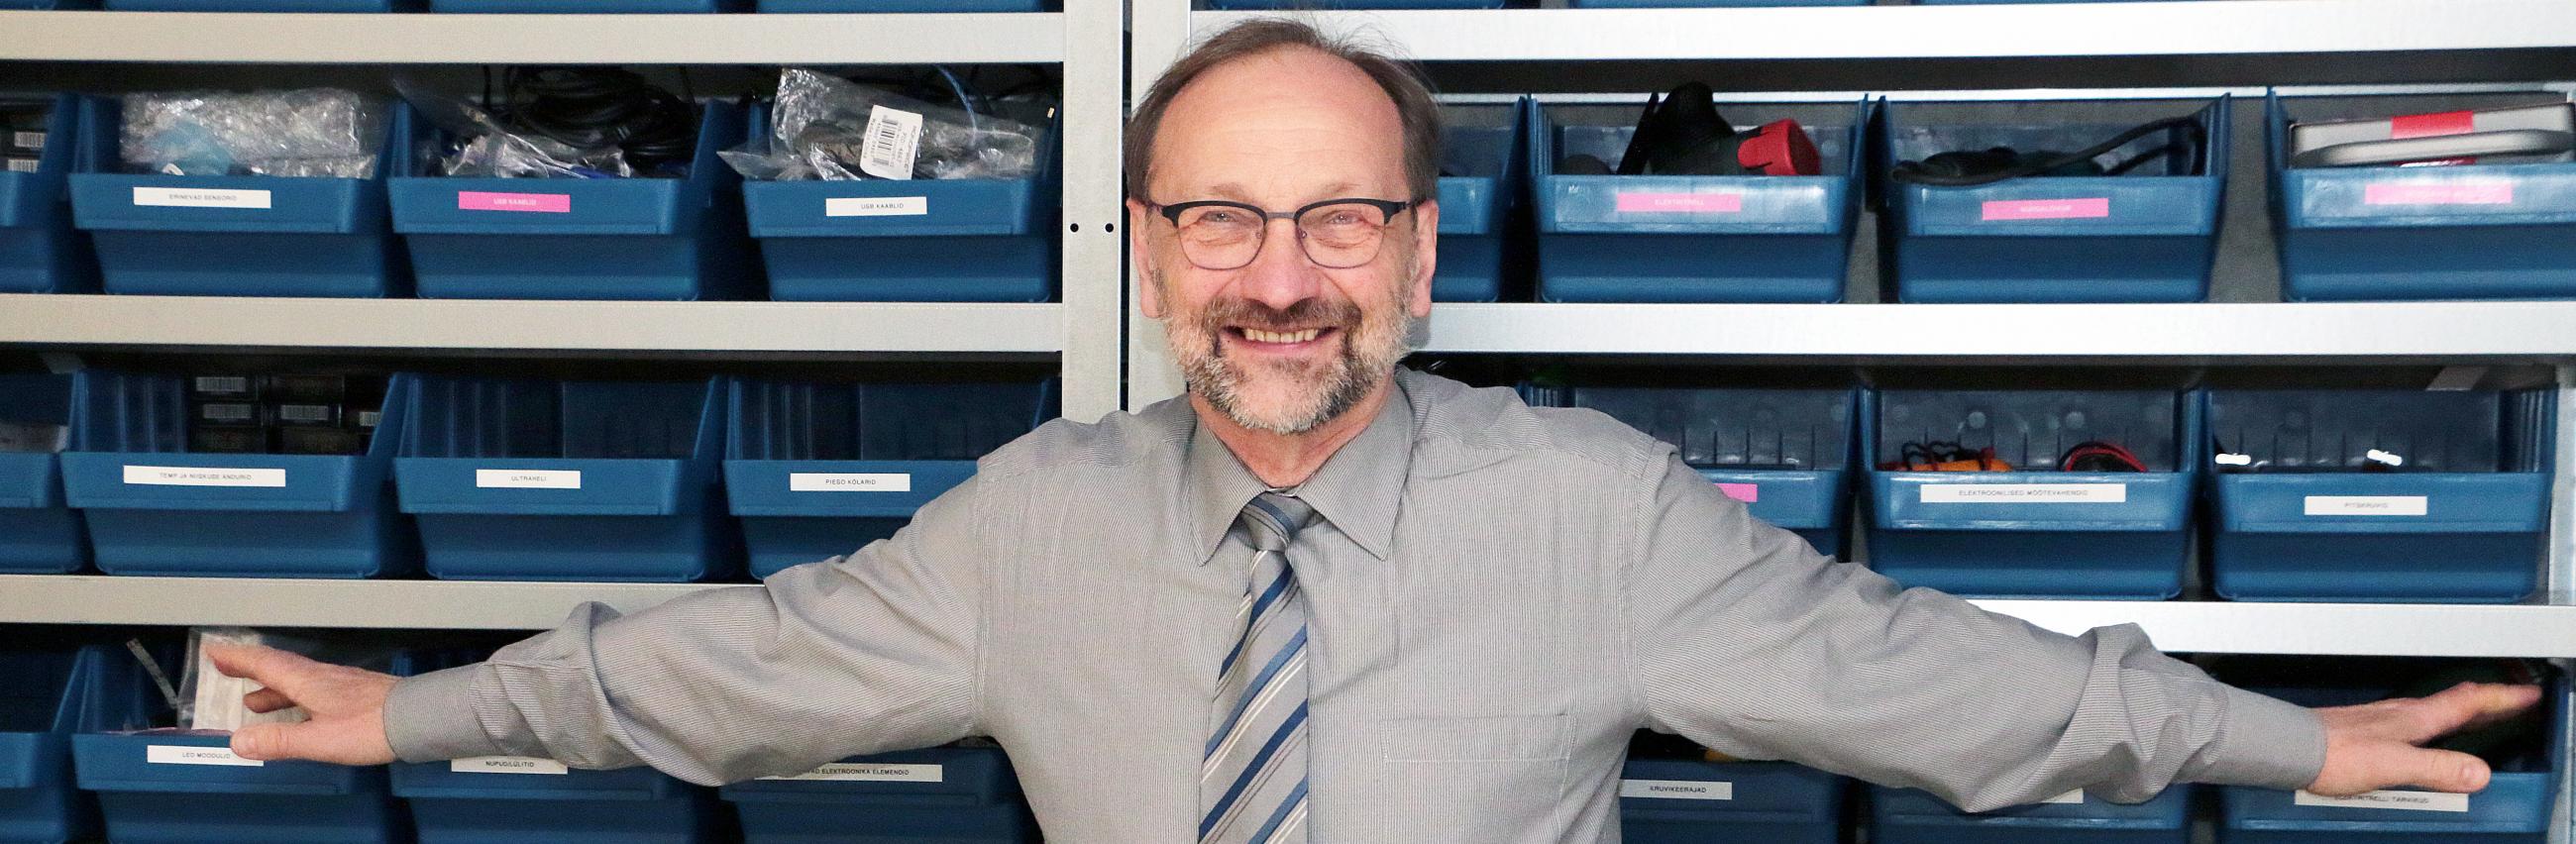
(506,765)
(200,198)
(2410,801)
(865,772)
(1677,789)
(2368,505)
(849,482)
(203,476)
(180,754)
(876,206)
(2025,493)
(527,478)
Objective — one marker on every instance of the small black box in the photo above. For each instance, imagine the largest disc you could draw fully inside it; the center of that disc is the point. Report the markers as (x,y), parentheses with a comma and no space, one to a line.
(228,439)
(305,389)
(294,414)
(227,413)
(224,388)
(291,440)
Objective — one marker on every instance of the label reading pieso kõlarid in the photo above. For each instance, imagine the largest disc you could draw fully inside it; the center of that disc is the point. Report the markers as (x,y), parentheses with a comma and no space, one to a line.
(1677,789)
(2409,801)
(2025,493)
(180,754)
(506,765)
(870,772)
(848,482)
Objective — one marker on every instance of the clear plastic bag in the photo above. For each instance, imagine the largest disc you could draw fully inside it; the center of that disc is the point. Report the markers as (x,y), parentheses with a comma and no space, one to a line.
(825,127)
(311,132)
(496,151)
(208,700)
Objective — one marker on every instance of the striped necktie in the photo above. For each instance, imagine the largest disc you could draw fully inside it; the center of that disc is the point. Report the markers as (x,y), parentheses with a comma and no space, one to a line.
(1252,786)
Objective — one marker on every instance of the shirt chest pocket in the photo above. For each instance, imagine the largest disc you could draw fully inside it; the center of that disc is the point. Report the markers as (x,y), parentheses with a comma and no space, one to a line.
(1478,779)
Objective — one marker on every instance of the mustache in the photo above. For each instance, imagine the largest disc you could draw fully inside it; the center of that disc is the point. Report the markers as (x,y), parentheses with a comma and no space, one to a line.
(1255,315)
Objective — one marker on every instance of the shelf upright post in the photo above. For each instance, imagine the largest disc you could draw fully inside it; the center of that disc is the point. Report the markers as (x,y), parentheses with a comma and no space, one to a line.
(1094,260)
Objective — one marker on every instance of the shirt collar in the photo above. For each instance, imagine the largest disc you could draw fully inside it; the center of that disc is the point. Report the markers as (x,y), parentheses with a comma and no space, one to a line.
(1357,489)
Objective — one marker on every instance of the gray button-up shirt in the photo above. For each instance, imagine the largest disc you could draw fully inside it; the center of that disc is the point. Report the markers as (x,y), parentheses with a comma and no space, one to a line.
(1499,596)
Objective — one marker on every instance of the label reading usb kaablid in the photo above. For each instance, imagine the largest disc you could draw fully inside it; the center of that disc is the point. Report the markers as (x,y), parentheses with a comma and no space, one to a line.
(527,478)
(2368,505)
(2071,798)
(2025,493)
(506,765)
(1677,789)
(198,476)
(180,754)
(894,137)
(2410,801)
(848,482)
(200,198)
(864,772)
(876,206)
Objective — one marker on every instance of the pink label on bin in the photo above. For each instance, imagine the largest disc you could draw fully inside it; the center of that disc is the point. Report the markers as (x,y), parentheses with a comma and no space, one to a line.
(1747,493)
(2451,193)
(1681,203)
(550,203)
(2048,209)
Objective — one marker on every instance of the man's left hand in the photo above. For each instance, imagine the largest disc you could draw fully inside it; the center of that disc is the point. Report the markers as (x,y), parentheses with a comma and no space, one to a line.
(2380,745)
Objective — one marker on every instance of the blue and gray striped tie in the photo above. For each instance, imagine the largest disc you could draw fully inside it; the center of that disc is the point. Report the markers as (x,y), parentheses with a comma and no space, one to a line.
(1252,786)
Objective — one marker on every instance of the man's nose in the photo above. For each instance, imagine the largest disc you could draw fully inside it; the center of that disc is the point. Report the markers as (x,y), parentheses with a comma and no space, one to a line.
(1281,275)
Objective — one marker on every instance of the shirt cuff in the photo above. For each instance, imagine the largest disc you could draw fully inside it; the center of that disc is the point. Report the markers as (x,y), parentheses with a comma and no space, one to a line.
(2265,742)
(430,717)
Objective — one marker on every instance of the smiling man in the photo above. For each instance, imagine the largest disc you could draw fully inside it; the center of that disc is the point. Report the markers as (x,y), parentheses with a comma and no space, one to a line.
(1323,599)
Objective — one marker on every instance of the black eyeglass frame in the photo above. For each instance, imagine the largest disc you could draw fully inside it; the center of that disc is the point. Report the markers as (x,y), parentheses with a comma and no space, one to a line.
(1391,207)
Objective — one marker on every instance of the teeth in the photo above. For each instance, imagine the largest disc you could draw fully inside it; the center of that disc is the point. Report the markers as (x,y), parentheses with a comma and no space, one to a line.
(1259,336)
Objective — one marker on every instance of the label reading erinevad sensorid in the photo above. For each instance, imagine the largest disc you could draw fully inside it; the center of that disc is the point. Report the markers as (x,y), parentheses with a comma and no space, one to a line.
(506,765)
(1677,789)
(2411,801)
(2025,493)
(178,754)
(200,198)
(867,772)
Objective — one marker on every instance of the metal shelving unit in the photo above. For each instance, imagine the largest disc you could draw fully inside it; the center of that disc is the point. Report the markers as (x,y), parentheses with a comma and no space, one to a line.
(1037,37)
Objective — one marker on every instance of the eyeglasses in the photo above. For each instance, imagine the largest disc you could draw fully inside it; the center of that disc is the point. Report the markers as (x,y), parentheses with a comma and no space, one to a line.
(1338,234)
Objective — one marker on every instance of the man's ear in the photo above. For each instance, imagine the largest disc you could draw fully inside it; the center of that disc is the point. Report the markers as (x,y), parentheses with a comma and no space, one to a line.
(1426,255)
(1140,247)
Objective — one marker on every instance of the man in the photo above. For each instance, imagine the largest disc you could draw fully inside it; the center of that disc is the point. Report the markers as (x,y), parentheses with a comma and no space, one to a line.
(1324,600)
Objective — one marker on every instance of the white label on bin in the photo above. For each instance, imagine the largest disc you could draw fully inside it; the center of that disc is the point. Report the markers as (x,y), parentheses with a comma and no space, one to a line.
(527,478)
(197,476)
(2367,505)
(864,772)
(2412,801)
(1677,789)
(2071,798)
(876,206)
(848,482)
(894,136)
(22,165)
(201,198)
(29,141)
(180,754)
(506,765)
(2025,493)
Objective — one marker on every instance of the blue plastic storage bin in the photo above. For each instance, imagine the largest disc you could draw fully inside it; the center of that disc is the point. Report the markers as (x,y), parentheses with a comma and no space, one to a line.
(577,7)
(639,238)
(516,479)
(1907,816)
(1681,801)
(818,470)
(1785,453)
(1667,239)
(2464,520)
(182,789)
(2148,236)
(40,250)
(262,5)
(1478,205)
(40,708)
(908,240)
(2475,231)
(229,235)
(882,6)
(153,508)
(39,532)
(2034,531)
(954,795)
(2514,808)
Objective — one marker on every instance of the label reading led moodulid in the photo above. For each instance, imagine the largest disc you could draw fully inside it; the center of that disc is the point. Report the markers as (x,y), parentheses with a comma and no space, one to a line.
(848,482)
(506,765)
(202,476)
(527,478)
(2411,801)
(180,754)
(2025,493)
(2368,505)
(1677,789)
(200,198)
(864,772)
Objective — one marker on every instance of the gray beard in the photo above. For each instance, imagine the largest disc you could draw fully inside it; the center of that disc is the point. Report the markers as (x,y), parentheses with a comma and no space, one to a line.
(1352,375)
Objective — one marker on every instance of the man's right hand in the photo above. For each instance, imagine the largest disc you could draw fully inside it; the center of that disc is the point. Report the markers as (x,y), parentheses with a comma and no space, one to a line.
(347,706)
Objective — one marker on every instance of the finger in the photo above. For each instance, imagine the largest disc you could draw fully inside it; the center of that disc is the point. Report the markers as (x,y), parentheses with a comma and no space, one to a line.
(272,741)
(2465,705)
(271,667)
(2510,702)
(266,701)
(2419,767)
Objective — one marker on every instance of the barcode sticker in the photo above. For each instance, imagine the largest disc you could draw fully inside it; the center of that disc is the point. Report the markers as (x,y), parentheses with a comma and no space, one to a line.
(894,137)
(304,412)
(29,141)
(864,772)
(848,482)
(527,478)
(224,384)
(506,765)
(369,418)
(197,476)
(180,754)
(22,165)
(228,412)
(2411,801)
(1677,789)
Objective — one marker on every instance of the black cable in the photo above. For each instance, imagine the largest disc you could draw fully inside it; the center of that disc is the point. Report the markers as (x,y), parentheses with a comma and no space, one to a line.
(1912,172)
(601,107)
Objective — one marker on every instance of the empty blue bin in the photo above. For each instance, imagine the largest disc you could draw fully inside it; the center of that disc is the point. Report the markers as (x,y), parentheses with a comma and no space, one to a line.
(2034,531)
(818,470)
(1682,801)
(39,532)
(1784,453)
(2515,807)
(40,250)
(153,508)
(191,789)
(883,6)
(1667,239)
(574,480)
(1480,192)
(964,795)
(2147,236)
(229,235)
(638,238)
(40,709)
(2464,519)
(1907,816)
(2473,231)
(908,240)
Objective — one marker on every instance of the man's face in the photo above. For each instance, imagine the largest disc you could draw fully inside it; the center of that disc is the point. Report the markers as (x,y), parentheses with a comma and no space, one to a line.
(1283,344)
